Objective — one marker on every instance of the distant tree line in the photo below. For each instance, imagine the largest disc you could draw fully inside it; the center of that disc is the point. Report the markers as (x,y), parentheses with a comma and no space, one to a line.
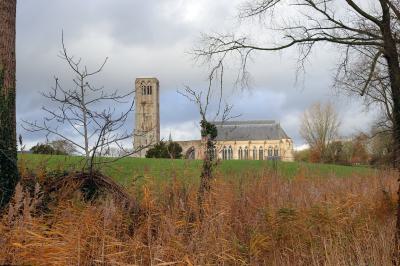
(320,125)
(362,149)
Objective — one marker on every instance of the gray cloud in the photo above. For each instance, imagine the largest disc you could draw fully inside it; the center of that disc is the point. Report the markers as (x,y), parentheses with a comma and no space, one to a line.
(151,38)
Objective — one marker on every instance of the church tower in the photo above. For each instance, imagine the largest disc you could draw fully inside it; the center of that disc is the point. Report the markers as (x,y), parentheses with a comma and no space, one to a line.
(147,114)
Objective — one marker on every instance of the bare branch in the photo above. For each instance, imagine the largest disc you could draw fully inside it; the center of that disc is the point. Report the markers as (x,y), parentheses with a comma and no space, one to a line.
(96,128)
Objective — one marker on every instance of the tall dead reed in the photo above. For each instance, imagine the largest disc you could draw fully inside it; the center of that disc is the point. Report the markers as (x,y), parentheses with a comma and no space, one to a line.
(257,220)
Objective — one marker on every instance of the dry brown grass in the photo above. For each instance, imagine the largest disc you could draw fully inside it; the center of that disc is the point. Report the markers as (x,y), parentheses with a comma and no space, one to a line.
(256,221)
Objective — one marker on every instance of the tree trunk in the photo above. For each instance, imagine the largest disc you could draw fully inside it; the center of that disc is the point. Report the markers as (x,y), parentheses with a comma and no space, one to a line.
(8,144)
(205,176)
(207,139)
(392,58)
(396,157)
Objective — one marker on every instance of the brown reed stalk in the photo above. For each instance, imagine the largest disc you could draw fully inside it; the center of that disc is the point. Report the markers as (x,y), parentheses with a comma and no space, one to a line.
(261,220)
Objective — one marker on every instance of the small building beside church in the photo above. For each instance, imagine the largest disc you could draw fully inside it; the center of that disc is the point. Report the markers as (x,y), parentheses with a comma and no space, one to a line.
(245,140)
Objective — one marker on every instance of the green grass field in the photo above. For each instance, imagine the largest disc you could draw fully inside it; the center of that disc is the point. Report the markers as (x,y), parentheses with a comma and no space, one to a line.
(128,169)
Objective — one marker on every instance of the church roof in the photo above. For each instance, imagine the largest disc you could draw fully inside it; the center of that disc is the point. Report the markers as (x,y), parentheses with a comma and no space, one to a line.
(250,130)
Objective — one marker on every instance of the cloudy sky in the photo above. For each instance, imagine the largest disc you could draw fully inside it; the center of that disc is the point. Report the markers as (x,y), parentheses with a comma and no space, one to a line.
(154,38)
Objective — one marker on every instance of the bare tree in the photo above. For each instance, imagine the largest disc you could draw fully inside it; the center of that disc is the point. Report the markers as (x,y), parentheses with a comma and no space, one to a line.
(319,126)
(367,33)
(378,91)
(208,130)
(81,108)
(63,146)
(8,141)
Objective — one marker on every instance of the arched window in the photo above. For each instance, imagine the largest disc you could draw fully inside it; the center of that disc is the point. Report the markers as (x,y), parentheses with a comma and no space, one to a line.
(191,153)
(261,153)
(240,153)
(212,153)
(276,151)
(149,89)
(224,153)
(269,151)
(230,153)
(254,153)
(246,153)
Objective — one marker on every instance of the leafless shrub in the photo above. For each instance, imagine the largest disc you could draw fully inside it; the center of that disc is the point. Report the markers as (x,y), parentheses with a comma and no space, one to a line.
(81,109)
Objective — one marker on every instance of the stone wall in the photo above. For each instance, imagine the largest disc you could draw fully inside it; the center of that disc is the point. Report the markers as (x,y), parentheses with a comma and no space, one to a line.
(187,145)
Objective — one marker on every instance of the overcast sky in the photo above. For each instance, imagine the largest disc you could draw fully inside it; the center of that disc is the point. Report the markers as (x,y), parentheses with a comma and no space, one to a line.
(153,38)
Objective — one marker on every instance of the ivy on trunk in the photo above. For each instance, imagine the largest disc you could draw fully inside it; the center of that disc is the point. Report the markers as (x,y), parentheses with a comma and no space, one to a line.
(8,149)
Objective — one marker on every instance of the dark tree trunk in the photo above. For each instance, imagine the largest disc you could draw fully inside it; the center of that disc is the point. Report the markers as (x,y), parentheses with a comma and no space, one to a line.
(205,177)
(392,58)
(8,144)
(208,135)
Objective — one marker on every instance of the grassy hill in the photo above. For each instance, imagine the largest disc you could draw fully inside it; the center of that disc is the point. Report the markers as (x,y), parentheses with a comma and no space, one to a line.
(128,169)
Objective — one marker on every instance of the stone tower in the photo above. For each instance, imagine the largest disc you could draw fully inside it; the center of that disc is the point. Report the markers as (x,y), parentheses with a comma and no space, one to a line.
(147,114)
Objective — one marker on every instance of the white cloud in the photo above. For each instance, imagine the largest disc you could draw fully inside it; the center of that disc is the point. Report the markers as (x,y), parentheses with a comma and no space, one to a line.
(301,147)
(182,131)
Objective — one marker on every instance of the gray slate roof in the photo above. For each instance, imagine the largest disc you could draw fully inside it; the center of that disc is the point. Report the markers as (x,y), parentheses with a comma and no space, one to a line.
(250,130)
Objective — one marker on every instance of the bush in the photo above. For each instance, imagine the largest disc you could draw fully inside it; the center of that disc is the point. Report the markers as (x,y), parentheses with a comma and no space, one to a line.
(348,152)
(339,152)
(381,149)
(63,147)
(41,148)
(302,156)
(165,150)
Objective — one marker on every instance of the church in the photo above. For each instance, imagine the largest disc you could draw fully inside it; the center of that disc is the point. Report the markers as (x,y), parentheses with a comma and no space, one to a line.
(236,140)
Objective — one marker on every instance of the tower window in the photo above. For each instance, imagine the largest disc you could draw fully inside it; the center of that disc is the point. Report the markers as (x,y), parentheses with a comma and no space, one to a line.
(146,89)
